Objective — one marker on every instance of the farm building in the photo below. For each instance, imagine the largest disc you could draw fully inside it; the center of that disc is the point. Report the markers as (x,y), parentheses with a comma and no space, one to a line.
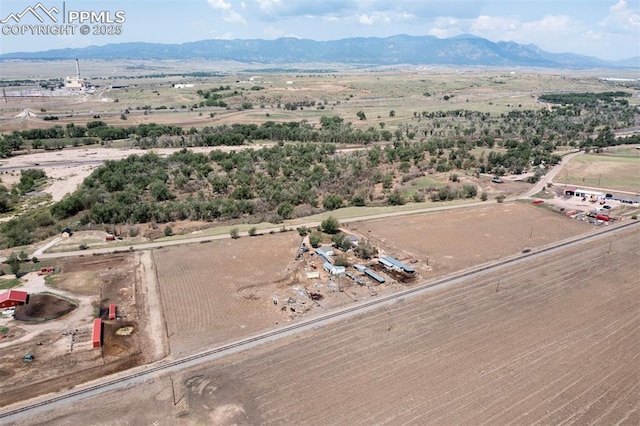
(325,252)
(353,240)
(313,275)
(395,265)
(332,269)
(584,193)
(12,298)
(368,272)
(97,333)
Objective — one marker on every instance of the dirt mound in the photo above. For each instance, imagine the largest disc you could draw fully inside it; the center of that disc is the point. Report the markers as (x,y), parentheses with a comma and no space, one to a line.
(44,307)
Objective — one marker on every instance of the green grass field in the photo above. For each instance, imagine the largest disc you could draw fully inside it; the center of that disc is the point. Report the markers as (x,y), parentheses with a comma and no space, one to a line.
(618,171)
(7,284)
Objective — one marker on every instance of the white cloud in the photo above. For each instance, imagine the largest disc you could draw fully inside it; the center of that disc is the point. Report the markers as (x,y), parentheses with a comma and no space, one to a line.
(269,6)
(374,18)
(273,33)
(225,36)
(484,23)
(621,18)
(552,24)
(447,26)
(228,14)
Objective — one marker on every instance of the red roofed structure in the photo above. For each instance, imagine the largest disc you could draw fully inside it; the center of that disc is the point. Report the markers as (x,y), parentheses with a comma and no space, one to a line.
(12,298)
(97,333)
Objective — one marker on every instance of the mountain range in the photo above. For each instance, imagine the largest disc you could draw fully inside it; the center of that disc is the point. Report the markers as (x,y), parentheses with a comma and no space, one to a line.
(462,50)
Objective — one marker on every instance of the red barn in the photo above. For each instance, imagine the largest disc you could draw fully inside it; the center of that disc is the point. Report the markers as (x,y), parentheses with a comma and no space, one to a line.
(12,298)
(97,333)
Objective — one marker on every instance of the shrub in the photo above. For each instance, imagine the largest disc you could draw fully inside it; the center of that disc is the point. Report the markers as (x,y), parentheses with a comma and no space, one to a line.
(133,231)
(234,233)
(395,198)
(252,231)
(314,239)
(168,231)
(341,260)
(500,198)
(484,196)
(330,225)
(332,202)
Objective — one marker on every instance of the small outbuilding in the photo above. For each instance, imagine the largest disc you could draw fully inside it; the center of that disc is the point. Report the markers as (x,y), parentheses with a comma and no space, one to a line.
(97,333)
(333,269)
(325,252)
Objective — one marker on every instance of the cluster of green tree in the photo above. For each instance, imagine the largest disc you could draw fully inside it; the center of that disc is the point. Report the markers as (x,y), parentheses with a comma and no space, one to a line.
(214,96)
(95,129)
(564,125)
(447,193)
(561,126)
(8,199)
(29,179)
(162,75)
(585,98)
(292,106)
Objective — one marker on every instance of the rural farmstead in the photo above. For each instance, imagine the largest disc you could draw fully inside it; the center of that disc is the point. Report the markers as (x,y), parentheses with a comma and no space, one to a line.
(397,229)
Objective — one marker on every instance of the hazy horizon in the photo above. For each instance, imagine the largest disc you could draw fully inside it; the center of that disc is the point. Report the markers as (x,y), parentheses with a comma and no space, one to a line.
(606,29)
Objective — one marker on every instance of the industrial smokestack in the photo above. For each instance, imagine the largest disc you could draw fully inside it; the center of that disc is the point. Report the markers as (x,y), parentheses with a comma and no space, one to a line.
(78,69)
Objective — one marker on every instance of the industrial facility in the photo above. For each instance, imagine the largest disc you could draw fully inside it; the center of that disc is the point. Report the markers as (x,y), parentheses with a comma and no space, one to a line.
(76,83)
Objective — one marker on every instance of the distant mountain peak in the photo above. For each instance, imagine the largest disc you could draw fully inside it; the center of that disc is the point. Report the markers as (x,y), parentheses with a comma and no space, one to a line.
(461,50)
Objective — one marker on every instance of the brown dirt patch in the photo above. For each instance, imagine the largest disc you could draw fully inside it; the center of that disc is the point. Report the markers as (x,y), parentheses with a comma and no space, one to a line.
(448,241)
(44,307)
(215,291)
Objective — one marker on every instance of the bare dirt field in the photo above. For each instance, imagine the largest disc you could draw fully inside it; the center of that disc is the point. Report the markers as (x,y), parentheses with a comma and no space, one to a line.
(215,291)
(224,290)
(551,340)
(62,347)
(449,241)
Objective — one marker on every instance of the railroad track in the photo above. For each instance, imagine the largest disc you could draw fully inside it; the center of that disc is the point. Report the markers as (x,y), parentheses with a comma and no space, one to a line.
(162,367)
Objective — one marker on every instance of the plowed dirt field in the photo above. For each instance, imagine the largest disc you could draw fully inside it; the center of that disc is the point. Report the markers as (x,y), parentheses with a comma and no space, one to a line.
(552,340)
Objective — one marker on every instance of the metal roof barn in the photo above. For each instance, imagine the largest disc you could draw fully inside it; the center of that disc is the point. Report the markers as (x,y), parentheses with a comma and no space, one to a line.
(12,298)
(373,275)
(390,262)
(97,333)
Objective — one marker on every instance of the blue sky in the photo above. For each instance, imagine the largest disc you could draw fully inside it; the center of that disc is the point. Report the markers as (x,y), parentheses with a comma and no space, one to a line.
(608,29)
